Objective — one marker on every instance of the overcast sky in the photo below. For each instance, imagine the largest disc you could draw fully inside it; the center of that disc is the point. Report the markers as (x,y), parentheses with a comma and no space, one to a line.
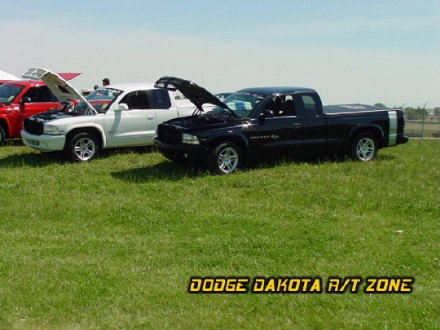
(350,51)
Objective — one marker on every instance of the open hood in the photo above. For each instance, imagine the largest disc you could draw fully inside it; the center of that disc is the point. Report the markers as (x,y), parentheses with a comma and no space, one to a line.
(60,87)
(196,94)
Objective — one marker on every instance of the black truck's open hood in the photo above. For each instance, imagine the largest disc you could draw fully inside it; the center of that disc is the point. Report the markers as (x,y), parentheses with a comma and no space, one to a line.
(193,92)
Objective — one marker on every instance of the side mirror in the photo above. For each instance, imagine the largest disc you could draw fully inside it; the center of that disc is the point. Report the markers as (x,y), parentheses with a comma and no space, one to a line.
(265,114)
(268,113)
(26,100)
(22,103)
(122,107)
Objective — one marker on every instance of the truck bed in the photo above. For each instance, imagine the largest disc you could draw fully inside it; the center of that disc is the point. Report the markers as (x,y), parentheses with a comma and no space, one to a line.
(351,108)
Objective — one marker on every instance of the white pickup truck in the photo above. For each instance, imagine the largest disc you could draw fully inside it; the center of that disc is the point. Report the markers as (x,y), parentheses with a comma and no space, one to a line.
(122,115)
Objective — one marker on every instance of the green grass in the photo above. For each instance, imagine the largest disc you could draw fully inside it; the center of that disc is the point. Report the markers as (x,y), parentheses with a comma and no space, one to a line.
(112,244)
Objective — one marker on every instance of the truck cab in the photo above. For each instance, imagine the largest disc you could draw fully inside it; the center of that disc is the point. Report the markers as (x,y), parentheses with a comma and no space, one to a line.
(288,118)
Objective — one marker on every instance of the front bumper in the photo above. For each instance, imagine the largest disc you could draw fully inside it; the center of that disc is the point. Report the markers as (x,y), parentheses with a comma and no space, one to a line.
(43,142)
(181,150)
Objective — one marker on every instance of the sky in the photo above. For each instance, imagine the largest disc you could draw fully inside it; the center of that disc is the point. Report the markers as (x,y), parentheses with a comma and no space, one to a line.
(350,51)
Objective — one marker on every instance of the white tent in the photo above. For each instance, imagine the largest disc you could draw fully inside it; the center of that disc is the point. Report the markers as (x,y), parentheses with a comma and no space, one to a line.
(7,76)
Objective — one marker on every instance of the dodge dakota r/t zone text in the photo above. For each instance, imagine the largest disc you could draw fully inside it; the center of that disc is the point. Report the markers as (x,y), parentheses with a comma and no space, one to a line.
(120,115)
(257,122)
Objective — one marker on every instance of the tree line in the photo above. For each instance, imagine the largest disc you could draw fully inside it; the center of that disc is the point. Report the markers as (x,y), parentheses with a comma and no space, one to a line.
(412,113)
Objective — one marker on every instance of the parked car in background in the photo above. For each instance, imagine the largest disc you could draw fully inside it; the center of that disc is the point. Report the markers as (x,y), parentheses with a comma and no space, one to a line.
(265,121)
(121,115)
(20,99)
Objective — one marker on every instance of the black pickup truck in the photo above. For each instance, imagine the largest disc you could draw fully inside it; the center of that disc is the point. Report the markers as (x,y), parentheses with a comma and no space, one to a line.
(260,122)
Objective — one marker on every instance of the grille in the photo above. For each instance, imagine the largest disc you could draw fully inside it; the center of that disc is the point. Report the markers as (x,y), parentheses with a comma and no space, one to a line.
(33,126)
(169,134)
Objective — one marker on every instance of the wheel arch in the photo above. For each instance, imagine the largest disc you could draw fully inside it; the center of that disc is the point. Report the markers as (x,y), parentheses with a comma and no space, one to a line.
(5,125)
(240,141)
(376,130)
(96,131)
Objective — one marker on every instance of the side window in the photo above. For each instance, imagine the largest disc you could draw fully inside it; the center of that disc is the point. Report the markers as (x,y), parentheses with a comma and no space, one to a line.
(288,106)
(159,99)
(309,105)
(282,106)
(40,94)
(136,100)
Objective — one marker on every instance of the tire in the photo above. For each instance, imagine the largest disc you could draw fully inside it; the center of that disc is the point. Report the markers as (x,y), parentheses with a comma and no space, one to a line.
(364,147)
(2,135)
(82,147)
(224,158)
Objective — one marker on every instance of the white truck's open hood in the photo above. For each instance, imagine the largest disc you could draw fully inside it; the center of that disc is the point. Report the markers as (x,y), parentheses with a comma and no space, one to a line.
(59,87)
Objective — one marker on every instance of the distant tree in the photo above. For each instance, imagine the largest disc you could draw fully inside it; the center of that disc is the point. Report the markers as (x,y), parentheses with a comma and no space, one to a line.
(437,111)
(415,113)
(380,105)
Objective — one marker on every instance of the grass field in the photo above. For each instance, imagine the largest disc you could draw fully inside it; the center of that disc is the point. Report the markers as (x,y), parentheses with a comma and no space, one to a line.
(112,244)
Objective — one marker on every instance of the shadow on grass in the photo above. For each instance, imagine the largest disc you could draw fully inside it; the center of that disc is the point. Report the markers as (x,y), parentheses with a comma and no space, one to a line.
(174,171)
(166,170)
(41,159)
(33,159)
(315,160)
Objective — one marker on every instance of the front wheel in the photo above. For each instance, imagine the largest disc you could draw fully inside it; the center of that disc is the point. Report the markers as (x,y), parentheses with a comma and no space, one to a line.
(82,147)
(364,147)
(224,158)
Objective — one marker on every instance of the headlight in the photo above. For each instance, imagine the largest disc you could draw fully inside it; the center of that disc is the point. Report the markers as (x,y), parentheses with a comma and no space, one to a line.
(190,139)
(51,130)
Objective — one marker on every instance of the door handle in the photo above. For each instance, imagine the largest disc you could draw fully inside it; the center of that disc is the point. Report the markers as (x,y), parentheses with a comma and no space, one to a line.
(150,117)
(297,125)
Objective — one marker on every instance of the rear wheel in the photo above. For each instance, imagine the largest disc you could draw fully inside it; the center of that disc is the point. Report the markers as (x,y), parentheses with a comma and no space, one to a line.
(224,158)
(82,147)
(364,147)
(2,135)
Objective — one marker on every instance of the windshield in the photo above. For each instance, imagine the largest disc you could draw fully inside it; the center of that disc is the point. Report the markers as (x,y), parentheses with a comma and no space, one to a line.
(8,92)
(240,103)
(102,98)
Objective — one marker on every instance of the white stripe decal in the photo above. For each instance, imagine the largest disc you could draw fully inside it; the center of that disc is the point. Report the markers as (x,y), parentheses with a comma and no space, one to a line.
(392,134)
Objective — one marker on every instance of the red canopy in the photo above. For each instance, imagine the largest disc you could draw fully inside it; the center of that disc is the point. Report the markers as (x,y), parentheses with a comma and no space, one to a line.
(68,75)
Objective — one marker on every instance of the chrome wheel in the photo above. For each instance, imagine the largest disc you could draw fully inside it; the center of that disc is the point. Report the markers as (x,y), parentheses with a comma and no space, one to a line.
(224,157)
(228,160)
(365,149)
(84,148)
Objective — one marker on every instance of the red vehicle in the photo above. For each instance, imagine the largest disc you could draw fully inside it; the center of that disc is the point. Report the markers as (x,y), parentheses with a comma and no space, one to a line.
(20,99)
